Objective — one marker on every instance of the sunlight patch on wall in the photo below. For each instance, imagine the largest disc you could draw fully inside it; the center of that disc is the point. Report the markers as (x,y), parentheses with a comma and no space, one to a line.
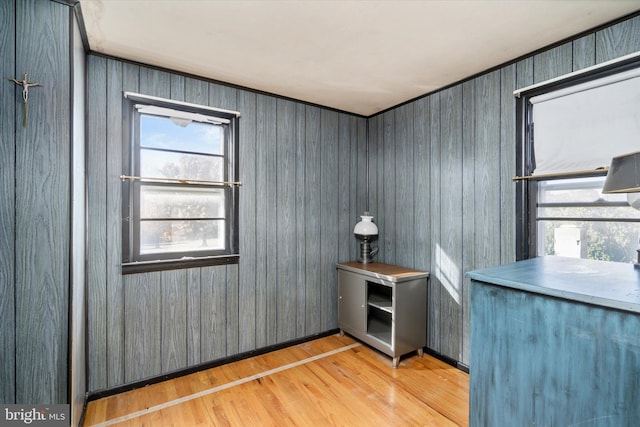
(448,273)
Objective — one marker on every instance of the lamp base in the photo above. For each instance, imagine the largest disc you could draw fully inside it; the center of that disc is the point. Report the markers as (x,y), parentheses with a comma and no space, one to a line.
(366,253)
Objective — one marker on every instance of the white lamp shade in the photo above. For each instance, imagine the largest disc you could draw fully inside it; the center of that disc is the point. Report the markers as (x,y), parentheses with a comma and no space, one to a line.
(366,227)
(624,174)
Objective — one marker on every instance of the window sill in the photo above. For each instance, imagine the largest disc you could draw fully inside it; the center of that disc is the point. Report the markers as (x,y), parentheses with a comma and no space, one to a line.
(176,264)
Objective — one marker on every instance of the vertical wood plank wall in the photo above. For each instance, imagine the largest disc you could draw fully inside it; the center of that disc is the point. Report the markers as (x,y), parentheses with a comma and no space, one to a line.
(7,207)
(42,221)
(34,203)
(302,173)
(440,190)
(452,201)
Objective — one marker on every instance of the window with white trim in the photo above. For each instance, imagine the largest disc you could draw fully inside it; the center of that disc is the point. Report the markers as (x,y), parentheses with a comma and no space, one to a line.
(180,185)
(571,128)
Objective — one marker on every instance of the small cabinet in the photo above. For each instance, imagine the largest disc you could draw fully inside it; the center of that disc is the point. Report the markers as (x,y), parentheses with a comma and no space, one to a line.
(384,306)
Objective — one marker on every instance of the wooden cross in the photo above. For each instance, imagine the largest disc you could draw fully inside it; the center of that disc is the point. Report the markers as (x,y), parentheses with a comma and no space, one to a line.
(26,84)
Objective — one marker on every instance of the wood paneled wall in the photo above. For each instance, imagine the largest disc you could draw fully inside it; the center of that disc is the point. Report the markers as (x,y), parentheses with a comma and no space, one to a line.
(302,169)
(34,203)
(443,195)
(440,190)
(7,207)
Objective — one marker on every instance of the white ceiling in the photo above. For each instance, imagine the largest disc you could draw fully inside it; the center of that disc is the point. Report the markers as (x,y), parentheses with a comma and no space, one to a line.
(359,56)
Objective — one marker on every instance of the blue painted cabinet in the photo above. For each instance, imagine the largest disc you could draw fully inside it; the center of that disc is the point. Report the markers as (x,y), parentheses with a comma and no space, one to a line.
(554,360)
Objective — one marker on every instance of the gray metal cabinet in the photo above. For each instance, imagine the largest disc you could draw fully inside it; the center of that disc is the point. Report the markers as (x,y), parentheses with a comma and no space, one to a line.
(383,305)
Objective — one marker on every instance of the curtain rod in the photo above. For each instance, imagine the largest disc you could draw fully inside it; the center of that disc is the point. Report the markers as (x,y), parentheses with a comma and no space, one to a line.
(179,180)
(595,172)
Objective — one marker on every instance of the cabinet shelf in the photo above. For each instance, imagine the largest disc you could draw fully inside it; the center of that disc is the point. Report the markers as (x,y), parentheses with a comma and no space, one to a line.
(380,296)
(380,302)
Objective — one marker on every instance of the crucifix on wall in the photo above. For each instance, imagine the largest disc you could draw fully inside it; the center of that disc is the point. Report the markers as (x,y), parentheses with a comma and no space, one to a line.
(26,84)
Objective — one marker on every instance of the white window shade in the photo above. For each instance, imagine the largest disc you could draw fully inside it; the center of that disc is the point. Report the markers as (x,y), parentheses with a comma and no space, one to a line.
(582,127)
(179,116)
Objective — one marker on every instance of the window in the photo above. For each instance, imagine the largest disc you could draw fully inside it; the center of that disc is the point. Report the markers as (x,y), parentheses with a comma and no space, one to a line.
(575,219)
(571,128)
(180,188)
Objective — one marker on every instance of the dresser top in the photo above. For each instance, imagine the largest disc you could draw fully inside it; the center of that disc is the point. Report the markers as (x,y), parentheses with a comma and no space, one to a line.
(392,273)
(606,284)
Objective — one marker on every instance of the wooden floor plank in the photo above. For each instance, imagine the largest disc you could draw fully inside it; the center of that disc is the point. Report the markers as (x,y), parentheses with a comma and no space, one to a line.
(320,382)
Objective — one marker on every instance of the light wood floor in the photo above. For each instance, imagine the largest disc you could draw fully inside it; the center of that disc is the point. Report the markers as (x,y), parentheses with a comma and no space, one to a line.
(325,382)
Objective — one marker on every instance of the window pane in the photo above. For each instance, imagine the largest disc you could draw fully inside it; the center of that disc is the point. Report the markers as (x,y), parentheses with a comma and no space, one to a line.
(606,241)
(181,236)
(593,227)
(181,202)
(165,133)
(576,190)
(586,199)
(161,164)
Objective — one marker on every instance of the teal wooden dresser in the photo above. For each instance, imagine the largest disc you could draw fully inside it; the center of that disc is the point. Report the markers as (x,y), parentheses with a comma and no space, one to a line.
(555,342)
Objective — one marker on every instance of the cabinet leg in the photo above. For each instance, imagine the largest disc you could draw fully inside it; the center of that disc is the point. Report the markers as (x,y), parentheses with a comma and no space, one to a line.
(396,362)
(420,352)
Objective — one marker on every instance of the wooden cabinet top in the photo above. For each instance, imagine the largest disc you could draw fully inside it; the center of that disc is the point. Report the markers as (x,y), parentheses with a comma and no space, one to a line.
(392,273)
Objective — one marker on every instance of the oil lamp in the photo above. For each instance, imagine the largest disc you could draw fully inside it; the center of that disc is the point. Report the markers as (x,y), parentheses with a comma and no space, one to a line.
(366,231)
